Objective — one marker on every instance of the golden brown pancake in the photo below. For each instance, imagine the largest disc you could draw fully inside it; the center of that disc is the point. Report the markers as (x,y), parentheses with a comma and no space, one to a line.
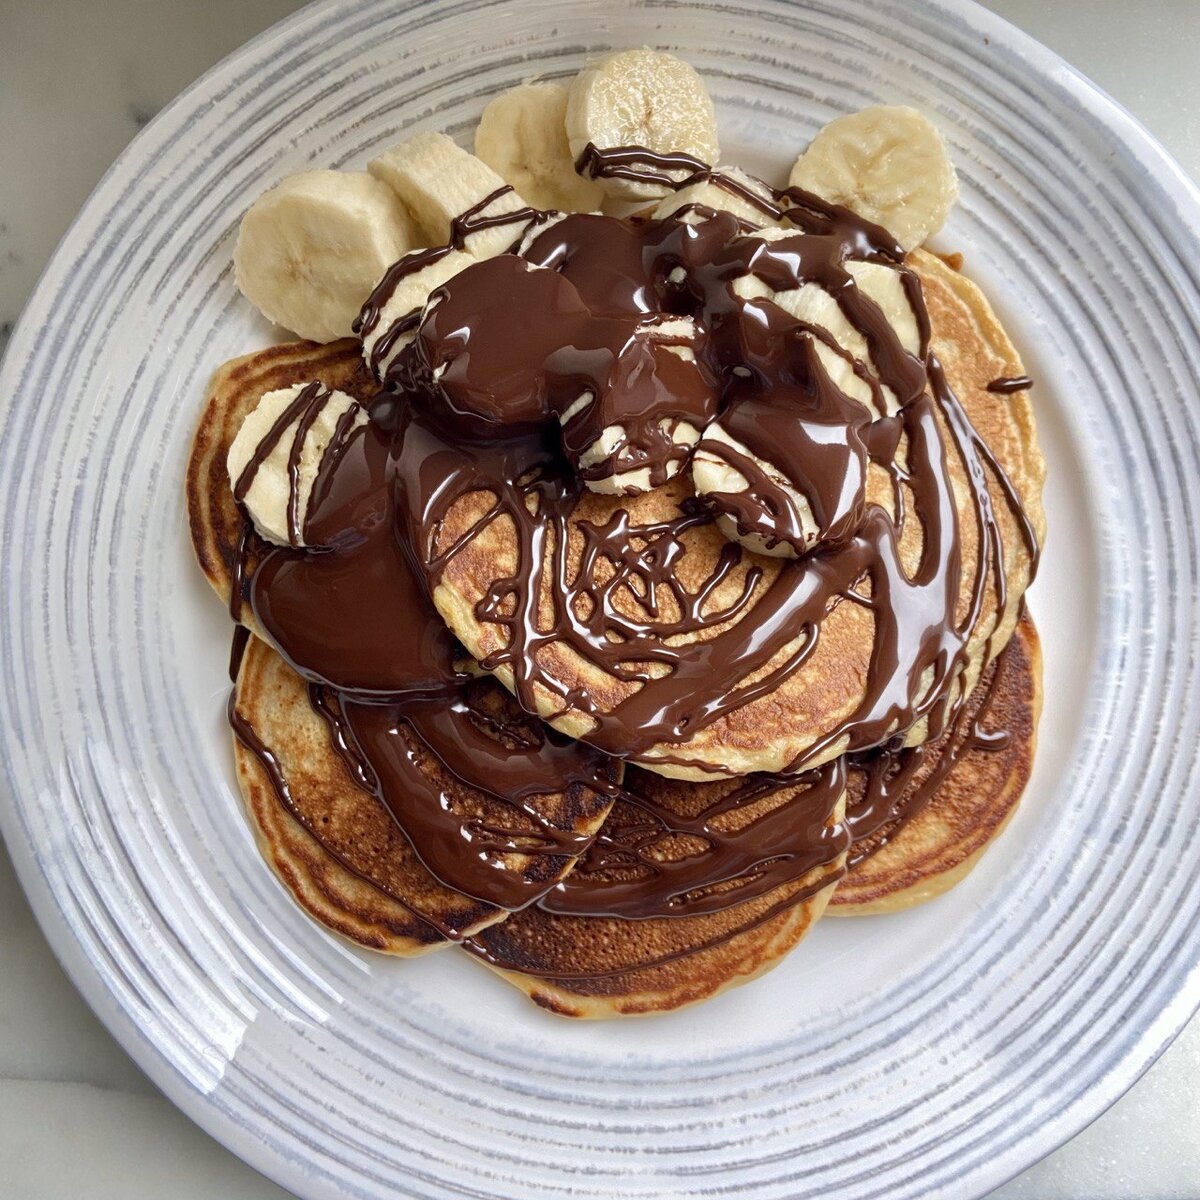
(335,896)
(320,792)
(929,854)
(590,966)
(770,732)
(340,853)
(541,942)
(913,860)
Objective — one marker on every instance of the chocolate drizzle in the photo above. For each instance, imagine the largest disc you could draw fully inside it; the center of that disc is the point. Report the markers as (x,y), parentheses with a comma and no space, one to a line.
(631,870)
(484,401)
(638,165)
(893,783)
(1006,385)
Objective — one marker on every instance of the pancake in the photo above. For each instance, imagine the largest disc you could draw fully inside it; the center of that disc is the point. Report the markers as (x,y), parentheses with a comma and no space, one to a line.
(929,853)
(330,893)
(342,854)
(770,714)
(601,966)
(924,853)
(286,747)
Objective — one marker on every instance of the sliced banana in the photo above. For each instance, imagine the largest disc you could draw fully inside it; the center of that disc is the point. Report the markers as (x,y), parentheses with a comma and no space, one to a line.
(625,478)
(522,135)
(279,418)
(439,181)
(642,98)
(888,164)
(616,461)
(723,190)
(812,304)
(310,250)
(885,285)
(381,344)
(714,475)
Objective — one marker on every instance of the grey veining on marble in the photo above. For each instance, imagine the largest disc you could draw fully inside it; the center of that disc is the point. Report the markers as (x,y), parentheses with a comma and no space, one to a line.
(78,78)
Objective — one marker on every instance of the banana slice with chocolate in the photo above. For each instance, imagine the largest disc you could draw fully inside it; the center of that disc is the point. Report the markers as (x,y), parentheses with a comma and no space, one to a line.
(784,469)
(888,164)
(276,459)
(636,430)
(522,135)
(653,105)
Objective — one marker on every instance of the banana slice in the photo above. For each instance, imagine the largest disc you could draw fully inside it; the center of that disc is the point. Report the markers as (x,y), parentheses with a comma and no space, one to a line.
(885,286)
(889,164)
(439,181)
(727,189)
(522,135)
(647,99)
(381,340)
(310,250)
(627,459)
(812,304)
(785,472)
(260,456)
(715,477)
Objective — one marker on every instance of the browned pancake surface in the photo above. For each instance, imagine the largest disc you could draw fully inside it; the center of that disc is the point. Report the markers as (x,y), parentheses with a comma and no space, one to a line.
(322,794)
(915,860)
(593,966)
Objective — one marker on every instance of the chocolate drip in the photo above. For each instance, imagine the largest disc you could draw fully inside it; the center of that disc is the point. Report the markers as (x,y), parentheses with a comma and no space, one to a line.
(637,164)
(891,785)
(634,870)
(818,431)
(237,651)
(508,759)
(479,949)
(351,611)
(1008,384)
(248,737)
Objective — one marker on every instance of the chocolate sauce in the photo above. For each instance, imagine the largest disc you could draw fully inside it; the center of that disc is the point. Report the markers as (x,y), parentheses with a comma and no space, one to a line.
(508,760)
(485,402)
(1008,384)
(570,367)
(630,870)
(351,611)
(892,784)
(638,165)
(810,424)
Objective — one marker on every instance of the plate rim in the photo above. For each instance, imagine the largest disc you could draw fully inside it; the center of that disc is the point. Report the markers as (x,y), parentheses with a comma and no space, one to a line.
(1067,1122)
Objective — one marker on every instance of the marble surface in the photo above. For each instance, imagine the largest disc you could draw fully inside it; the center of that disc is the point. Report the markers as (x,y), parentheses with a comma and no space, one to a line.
(77,1118)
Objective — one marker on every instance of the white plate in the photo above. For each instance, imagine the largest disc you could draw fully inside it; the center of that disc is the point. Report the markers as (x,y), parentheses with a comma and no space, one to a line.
(928,1055)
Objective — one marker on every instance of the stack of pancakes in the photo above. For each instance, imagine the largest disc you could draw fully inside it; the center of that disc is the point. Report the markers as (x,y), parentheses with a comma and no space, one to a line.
(345,858)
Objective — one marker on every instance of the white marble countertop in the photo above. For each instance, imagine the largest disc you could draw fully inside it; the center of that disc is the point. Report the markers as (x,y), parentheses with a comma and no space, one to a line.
(77,80)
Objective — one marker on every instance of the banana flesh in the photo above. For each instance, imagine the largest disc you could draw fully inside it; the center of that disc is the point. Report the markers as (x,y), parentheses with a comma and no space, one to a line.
(310,250)
(642,98)
(438,181)
(888,164)
(270,496)
(522,136)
